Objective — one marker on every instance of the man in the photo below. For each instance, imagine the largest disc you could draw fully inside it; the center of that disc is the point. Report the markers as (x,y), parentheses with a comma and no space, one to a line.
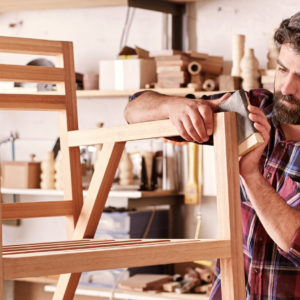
(270,185)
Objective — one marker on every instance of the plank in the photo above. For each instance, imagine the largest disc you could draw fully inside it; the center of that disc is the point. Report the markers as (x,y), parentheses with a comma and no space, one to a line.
(68,120)
(17,5)
(32,102)
(26,45)
(39,74)
(51,263)
(139,131)
(36,209)
(229,205)
(90,244)
(123,133)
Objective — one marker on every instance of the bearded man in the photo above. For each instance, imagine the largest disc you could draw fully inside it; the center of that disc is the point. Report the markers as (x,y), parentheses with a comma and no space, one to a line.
(270,174)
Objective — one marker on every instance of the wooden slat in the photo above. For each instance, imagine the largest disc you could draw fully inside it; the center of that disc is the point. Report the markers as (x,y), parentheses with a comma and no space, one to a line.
(28,46)
(139,131)
(51,263)
(38,74)
(17,5)
(36,209)
(46,244)
(68,120)
(123,133)
(32,102)
(229,205)
(76,246)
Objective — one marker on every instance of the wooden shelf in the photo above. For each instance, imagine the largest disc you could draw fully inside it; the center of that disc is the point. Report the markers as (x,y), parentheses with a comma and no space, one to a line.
(81,94)
(113,194)
(133,295)
(85,94)
(50,283)
(18,5)
(109,94)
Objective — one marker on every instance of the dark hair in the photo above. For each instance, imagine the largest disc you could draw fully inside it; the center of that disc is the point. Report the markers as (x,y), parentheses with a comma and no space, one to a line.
(289,32)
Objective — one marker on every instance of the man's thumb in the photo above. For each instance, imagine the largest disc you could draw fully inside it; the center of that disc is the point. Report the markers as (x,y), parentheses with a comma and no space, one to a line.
(215,103)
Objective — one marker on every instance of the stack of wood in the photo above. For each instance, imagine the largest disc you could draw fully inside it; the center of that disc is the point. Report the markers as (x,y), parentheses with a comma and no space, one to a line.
(171,69)
(267,79)
(177,69)
(196,280)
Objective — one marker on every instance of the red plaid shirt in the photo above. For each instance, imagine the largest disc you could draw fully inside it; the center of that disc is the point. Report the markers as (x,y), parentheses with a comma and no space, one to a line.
(270,272)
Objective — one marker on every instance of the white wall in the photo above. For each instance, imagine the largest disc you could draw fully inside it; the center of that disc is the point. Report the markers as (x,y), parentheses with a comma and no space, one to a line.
(212,23)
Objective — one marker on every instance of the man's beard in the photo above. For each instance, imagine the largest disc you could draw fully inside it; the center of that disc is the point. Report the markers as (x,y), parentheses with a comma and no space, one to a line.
(283,113)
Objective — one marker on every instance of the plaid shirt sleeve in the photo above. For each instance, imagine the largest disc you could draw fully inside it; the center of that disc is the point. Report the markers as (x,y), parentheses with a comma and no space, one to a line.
(294,252)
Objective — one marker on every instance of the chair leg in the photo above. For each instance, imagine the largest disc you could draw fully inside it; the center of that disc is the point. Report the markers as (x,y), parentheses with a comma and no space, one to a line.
(229,206)
(93,206)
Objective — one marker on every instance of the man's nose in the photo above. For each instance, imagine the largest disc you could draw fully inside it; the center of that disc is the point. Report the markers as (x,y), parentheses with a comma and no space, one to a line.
(289,86)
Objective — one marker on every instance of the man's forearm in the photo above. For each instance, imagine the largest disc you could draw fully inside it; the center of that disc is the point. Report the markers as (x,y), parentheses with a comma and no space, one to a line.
(149,106)
(279,219)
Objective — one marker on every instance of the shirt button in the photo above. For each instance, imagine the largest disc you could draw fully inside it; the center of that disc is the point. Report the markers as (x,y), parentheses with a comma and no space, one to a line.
(282,145)
(256,271)
(268,175)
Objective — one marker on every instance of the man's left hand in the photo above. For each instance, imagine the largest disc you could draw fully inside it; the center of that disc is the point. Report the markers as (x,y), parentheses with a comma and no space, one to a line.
(249,163)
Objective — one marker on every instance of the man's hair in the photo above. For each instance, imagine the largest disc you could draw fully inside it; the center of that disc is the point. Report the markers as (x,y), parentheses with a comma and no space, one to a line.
(289,32)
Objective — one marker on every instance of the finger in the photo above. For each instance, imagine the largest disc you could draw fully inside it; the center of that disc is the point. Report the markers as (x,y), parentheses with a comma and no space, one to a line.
(216,102)
(262,130)
(257,115)
(194,123)
(207,116)
(195,128)
(181,130)
(261,119)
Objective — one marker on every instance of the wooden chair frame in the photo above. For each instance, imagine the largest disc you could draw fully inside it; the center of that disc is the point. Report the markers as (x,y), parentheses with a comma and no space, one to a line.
(19,261)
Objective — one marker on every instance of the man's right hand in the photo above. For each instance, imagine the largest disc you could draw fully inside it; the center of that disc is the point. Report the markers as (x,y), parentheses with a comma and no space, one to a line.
(193,118)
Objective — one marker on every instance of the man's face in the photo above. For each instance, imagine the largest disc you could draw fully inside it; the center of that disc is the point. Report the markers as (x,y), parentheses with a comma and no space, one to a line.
(287,87)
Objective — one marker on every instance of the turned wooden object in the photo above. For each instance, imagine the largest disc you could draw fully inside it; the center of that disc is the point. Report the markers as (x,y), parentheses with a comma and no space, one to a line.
(238,45)
(250,74)
(48,172)
(125,170)
(194,69)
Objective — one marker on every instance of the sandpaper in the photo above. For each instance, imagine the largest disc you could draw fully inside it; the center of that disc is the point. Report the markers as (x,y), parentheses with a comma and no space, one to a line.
(238,103)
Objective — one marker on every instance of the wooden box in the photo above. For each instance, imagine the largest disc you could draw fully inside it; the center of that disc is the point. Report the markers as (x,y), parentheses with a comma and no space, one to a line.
(19,174)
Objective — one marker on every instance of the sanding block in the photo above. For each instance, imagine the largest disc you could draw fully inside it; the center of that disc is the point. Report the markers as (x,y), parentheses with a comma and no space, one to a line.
(248,137)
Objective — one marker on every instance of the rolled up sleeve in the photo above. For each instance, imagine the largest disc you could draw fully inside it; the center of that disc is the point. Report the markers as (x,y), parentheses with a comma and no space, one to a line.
(294,252)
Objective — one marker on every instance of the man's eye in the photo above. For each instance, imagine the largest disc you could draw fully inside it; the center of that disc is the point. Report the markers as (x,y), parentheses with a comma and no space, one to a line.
(281,69)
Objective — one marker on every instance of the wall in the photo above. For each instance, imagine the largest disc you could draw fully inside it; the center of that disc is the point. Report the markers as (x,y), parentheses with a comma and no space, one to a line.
(211,24)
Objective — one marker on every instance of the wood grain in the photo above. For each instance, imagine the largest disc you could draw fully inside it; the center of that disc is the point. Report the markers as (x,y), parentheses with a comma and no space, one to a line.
(36,209)
(110,257)
(229,205)
(38,74)
(26,45)
(32,102)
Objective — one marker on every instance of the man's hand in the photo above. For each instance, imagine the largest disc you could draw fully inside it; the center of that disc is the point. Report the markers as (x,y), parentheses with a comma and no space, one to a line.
(193,118)
(249,163)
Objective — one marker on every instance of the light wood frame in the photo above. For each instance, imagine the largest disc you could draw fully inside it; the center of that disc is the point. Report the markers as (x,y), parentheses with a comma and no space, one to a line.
(82,252)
